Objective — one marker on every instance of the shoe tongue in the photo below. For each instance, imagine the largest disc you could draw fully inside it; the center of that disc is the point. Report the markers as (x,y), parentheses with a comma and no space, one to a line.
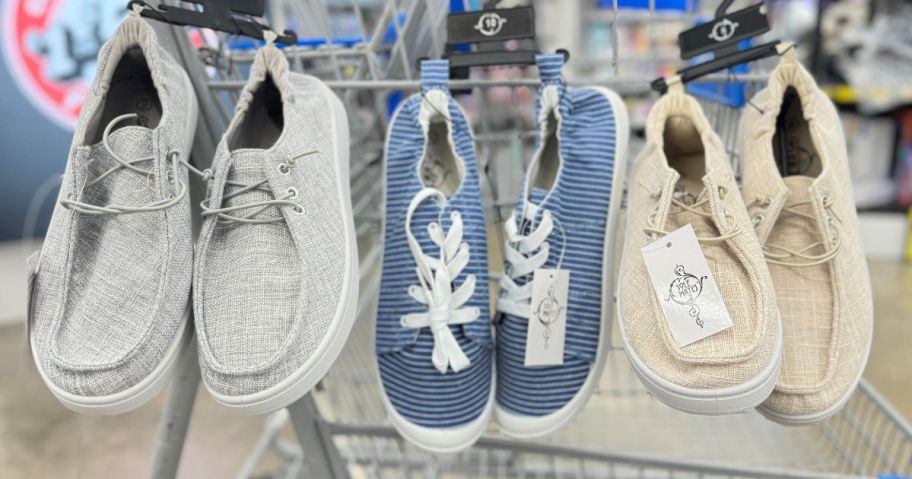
(800,188)
(247,167)
(124,186)
(129,143)
(684,196)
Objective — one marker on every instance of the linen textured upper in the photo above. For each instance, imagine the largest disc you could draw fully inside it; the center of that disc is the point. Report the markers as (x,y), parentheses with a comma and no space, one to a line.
(111,290)
(417,390)
(734,355)
(578,202)
(827,312)
(265,295)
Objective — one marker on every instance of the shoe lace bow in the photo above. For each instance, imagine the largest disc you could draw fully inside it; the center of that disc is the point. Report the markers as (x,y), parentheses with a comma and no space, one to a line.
(436,288)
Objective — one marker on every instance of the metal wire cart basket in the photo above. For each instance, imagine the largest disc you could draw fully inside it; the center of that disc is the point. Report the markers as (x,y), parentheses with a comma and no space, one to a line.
(367,52)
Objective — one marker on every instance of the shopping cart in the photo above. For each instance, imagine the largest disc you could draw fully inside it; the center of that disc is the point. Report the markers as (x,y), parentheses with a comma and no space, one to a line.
(367,51)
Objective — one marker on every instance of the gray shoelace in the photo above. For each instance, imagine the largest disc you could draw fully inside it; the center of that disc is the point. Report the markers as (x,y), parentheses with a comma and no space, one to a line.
(224,213)
(174,157)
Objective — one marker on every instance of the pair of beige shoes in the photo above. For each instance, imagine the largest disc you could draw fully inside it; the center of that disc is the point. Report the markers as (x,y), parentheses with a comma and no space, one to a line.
(783,251)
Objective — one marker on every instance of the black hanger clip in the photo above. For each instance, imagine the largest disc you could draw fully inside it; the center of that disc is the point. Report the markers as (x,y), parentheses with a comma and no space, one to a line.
(488,29)
(230,16)
(721,37)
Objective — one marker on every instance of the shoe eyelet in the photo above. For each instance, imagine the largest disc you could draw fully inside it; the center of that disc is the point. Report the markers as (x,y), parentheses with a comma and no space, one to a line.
(283,168)
(757,219)
(722,191)
(292,192)
(766,202)
(170,177)
(298,209)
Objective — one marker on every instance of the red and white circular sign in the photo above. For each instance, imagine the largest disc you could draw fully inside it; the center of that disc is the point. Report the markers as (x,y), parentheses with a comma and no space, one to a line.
(50,47)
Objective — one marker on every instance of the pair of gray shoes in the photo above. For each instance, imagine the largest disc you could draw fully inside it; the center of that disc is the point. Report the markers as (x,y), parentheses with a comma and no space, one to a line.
(274,274)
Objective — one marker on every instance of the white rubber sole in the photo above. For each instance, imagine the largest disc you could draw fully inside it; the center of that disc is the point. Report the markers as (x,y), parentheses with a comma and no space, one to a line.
(134,396)
(528,427)
(315,368)
(449,440)
(806,419)
(712,402)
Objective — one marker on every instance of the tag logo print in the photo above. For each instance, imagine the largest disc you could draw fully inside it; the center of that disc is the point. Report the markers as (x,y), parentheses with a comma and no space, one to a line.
(490,24)
(723,30)
(685,289)
(548,311)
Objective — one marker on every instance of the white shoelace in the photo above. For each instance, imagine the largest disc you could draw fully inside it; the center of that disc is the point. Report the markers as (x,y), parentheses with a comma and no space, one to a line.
(435,287)
(524,254)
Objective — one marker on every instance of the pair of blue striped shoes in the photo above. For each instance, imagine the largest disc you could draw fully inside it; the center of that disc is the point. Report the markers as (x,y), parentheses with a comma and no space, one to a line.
(441,371)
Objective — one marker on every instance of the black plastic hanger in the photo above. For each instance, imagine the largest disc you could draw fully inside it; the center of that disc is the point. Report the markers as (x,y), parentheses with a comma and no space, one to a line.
(230,16)
(721,36)
(488,29)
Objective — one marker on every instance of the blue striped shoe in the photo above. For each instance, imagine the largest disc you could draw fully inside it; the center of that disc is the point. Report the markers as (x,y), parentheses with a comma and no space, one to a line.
(433,336)
(564,220)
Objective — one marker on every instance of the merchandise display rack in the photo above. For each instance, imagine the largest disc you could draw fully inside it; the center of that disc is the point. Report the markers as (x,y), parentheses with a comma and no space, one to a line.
(340,427)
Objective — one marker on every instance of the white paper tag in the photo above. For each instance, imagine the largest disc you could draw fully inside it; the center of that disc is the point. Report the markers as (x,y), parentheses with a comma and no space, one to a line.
(685,287)
(547,318)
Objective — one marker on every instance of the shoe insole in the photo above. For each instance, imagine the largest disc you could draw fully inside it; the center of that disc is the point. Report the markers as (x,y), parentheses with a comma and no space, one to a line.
(793,147)
(264,121)
(440,168)
(544,168)
(131,91)
(685,153)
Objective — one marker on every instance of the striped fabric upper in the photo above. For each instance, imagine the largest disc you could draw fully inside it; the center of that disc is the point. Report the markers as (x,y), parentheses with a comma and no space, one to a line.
(417,390)
(578,202)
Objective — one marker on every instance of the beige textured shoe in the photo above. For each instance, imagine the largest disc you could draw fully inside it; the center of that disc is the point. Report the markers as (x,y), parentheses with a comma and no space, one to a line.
(798,191)
(683,176)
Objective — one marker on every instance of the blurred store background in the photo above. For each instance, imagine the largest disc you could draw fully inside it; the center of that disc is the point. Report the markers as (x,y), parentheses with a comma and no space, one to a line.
(859,50)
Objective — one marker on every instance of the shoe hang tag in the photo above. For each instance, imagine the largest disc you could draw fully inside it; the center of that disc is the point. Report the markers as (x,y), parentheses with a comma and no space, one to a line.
(685,287)
(547,318)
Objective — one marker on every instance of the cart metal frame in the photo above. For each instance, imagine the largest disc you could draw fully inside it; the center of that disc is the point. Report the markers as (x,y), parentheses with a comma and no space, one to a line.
(340,429)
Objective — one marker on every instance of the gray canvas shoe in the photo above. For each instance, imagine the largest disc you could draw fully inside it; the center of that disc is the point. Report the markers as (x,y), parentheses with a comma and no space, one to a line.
(276,270)
(109,291)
